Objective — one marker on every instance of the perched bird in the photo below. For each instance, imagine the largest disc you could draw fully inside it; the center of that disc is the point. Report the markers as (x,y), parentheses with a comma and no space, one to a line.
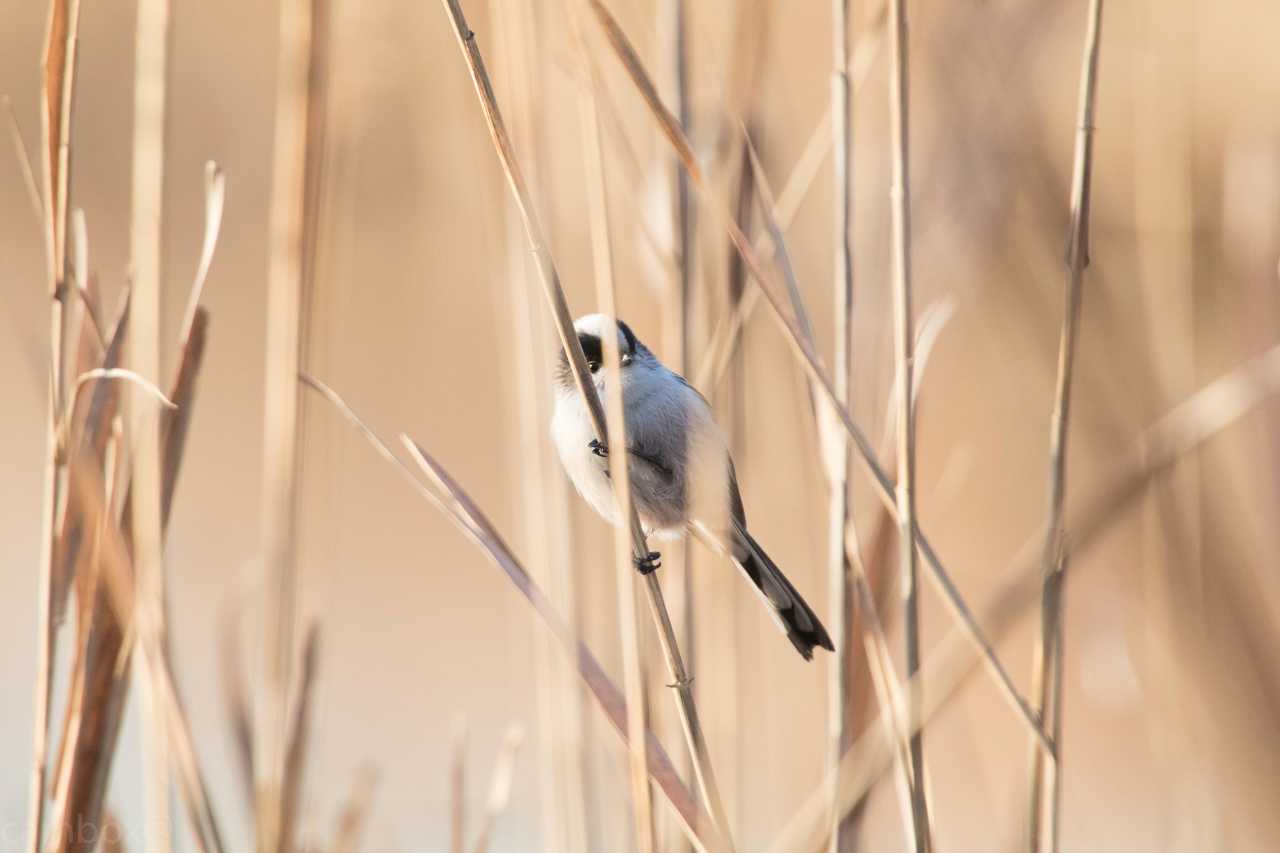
(681,473)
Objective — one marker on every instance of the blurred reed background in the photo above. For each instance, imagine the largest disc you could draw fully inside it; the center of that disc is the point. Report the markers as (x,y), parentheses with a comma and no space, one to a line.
(368,237)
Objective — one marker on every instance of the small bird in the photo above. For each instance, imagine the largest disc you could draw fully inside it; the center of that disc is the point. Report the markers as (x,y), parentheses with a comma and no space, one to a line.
(681,473)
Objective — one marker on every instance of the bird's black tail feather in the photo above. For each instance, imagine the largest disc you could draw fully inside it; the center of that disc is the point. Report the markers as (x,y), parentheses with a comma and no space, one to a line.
(797,618)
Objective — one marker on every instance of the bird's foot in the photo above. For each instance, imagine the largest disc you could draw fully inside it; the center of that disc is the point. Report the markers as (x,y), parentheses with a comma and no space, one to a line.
(599,448)
(649,564)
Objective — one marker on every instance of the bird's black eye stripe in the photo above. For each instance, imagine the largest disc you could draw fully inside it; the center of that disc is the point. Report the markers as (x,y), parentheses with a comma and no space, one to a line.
(592,350)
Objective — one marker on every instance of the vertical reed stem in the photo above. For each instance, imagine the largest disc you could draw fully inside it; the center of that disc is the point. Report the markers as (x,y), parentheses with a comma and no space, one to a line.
(1047,673)
(840,609)
(144,357)
(291,215)
(58,88)
(904,343)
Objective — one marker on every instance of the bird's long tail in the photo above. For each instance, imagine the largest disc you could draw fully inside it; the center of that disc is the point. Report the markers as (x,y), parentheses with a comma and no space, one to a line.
(791,611)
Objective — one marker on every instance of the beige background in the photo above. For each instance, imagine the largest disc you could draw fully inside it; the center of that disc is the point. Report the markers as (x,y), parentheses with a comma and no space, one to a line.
(413,325)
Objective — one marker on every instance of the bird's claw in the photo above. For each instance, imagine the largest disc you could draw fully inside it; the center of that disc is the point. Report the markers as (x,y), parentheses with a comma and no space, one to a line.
(649,564)
(599,448)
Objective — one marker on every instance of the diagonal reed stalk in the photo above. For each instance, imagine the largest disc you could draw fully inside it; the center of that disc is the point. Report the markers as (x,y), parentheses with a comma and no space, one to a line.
(582,377)
(616,429)
(812,364)
(904,346)
(1047,672)
(1179,432)
(461,510)
(150,87)
(58,90)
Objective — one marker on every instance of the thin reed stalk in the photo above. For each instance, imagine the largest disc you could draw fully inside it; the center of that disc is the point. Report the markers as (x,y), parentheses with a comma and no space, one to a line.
(1047,673)
(1178,433)
(58,90)
(295,160)
(150,86)
(582,377)
(840,610)
(677,308)
(619,471)
(812,364)
(904,354)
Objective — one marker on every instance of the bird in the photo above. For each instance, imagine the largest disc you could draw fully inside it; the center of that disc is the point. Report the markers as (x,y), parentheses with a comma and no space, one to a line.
(682,476)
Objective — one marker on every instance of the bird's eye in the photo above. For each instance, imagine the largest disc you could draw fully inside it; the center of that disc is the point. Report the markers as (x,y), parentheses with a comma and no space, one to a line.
(593,366)
(626,359)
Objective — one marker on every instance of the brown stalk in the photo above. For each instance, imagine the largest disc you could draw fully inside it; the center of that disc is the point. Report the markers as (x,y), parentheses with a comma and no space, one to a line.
(1046,677)
(616,429)
(109,650)
(471,521)
(1182,429)
(299,742)
(59,86)
(236,703)
(843,830)
(296,159)
(812,364)
(573,350)
(122,592)
(904,353)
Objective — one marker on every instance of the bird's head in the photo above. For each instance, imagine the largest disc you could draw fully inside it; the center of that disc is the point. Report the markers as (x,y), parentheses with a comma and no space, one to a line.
(592,330)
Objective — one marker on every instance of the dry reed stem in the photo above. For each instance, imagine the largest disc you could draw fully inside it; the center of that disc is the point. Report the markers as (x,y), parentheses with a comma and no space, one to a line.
(1046,677)
(471,521)
(1180,431)
(616,436)
(236,703)
(836,453)
(122,592)
(355,813)
(458,785)
(93,740)
(298,744)
(812,363)
(904,354)
(582,378)
(499,786)
(59,85)
(293,156)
